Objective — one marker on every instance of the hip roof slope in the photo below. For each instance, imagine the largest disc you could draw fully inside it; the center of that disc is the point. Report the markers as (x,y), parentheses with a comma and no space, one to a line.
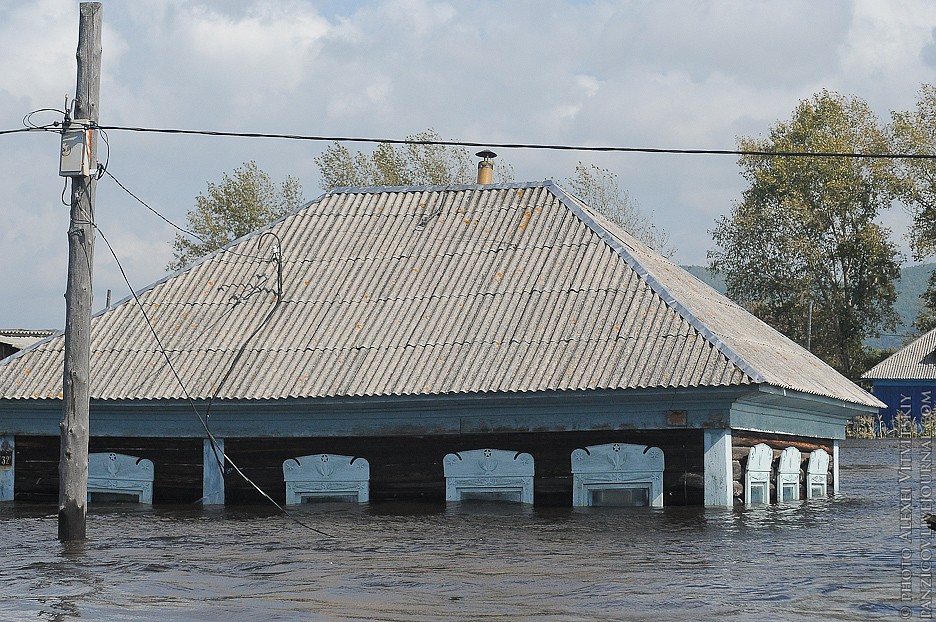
(915,361)
(404,291)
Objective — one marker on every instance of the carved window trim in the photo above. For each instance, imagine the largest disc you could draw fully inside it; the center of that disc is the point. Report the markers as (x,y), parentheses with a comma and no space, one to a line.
(110,473)
(757,475)
(488,471)
(616,466)
(326,476)
(788,475)
(817,474)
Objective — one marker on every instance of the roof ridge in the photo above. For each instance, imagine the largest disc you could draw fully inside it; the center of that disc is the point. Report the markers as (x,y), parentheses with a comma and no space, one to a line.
(506,185)
(573,204)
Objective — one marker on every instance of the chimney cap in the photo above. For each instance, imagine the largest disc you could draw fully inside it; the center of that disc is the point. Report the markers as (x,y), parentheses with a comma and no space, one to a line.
(487,154)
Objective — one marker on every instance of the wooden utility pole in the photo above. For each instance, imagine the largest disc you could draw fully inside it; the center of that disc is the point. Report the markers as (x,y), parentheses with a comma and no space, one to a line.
(73,460)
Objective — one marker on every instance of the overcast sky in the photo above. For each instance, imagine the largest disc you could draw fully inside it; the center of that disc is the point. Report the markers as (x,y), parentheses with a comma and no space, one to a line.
(653,73)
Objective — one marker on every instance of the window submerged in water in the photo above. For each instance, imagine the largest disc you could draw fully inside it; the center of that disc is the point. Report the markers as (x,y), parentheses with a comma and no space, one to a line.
(617,475)
(500,496)
(624,496)
(334,497)
(113,497)
(759,493)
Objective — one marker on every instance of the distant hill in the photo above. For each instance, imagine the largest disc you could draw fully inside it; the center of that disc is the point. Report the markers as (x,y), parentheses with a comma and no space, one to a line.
(912,283)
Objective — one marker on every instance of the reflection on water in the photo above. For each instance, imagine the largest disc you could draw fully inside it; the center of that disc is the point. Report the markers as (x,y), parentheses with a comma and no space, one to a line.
(834,559)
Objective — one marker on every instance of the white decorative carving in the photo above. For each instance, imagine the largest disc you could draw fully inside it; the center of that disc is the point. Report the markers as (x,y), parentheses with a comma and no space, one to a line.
(488,471)
(113,472)
(757,474)
(817,474)
(616,466)
(324,475)
(788,475)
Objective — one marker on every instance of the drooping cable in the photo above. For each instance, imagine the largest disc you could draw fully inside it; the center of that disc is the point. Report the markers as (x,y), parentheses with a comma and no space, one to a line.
(146,205)
(105,171)
(215,446)
(276,257)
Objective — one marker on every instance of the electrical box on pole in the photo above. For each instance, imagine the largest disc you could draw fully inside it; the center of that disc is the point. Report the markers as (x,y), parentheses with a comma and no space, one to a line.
(77,140)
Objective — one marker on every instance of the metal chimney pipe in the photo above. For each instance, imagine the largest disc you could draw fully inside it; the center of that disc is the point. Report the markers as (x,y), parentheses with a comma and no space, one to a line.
(486,167)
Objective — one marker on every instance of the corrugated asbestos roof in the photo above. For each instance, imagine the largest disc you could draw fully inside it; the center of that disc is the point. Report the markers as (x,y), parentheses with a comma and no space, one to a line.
(402,291)
(21,338)
(917,361)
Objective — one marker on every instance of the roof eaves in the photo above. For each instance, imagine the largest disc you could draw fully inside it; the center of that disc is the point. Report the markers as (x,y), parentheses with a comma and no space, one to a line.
(871,406)
(618,247)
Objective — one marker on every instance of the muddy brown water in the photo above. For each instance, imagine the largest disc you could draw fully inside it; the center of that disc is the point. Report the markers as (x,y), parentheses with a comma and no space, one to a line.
(832,559)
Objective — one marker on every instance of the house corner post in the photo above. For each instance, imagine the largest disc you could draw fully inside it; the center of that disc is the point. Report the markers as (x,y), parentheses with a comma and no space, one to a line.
(835,467)
(7,467)
(213,471)
(717,468)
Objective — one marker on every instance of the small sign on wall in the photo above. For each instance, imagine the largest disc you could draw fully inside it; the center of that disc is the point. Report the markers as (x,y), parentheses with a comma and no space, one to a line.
(6,457)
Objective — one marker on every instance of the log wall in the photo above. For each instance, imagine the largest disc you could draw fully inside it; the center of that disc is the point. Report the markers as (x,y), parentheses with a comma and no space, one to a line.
(410,468)
(402,468)
(177,475)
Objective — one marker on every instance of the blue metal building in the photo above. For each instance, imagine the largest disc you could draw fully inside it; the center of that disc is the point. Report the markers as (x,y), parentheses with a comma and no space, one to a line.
(906,382)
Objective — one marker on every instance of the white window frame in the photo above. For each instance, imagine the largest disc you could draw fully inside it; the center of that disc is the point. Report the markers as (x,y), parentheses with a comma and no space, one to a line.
(615,466)
(326,475)
(757,474)
(488,471)
(119,474)
(817,474)
(788,475)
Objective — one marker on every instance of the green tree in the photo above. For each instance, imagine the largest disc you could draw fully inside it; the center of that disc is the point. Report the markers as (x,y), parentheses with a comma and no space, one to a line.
(914,132)
(803,242)
(244,201)
(411,164)
(599,189)
(925,321)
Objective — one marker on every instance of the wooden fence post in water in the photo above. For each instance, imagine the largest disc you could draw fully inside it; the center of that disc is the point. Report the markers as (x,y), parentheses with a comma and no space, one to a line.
(73,459)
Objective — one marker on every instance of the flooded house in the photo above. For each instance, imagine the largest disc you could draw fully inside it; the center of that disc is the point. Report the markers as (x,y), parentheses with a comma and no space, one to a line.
(436,343)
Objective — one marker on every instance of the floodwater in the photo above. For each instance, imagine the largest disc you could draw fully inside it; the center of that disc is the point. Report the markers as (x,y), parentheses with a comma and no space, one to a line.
(832,559)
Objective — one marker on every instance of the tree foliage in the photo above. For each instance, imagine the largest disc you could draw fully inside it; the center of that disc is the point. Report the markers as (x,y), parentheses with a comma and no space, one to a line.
(914,132)
(412,164)
(599,188)
(244,201)
(925,321)
(805,233)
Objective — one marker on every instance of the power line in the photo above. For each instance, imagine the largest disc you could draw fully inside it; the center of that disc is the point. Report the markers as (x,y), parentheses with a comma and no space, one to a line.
(102,170)
(475,144)
(24,129)
(220,455)
(552,147)
(144,204)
